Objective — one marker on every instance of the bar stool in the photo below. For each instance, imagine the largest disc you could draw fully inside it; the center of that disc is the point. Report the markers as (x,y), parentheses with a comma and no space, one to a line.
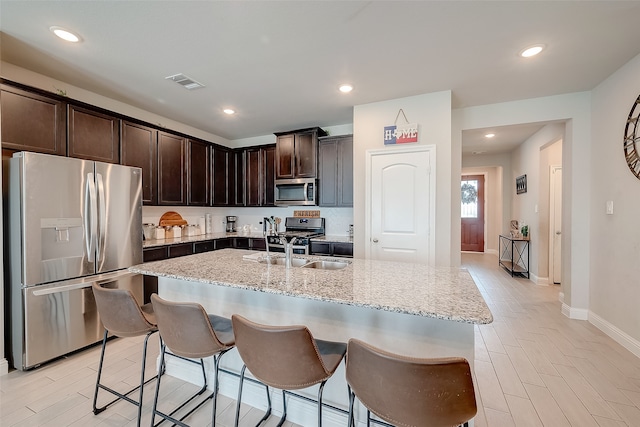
(284,357)
(408,391)
(123,317)
(190,333)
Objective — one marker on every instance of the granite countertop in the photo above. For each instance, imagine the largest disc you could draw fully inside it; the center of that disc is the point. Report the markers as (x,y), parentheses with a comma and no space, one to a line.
(418,289)
(199,238)
(336,239)
(221,235)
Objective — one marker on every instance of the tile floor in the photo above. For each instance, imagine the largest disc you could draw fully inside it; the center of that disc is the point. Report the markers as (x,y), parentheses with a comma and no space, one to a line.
(533,367)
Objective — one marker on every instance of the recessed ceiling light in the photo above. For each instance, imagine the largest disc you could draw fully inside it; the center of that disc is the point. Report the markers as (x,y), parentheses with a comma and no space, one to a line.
(345,88)
(65,34)
(490,135)
(531,51)
(229,111)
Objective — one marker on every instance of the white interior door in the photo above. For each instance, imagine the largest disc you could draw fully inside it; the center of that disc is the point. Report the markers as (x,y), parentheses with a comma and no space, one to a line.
(400,214)
(555,258)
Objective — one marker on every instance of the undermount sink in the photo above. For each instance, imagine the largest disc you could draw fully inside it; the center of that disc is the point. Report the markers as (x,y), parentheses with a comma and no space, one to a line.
(304,263)
(326,265)
(295,262)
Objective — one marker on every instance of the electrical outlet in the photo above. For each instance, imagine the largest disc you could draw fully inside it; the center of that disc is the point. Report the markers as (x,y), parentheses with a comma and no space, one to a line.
(609,207)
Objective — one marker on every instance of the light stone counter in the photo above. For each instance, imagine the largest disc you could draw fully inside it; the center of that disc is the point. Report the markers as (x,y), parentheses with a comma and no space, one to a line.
(409,309)
(442,293)
(198,238)
(336,239)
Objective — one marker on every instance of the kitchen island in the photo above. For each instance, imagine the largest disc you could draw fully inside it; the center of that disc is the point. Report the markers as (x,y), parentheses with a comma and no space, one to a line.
(411,309)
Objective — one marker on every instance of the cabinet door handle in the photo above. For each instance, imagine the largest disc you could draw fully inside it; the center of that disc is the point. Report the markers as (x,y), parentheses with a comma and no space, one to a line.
(375,240)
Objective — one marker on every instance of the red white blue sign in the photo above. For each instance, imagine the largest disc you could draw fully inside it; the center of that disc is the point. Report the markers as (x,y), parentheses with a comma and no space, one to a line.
(400,134)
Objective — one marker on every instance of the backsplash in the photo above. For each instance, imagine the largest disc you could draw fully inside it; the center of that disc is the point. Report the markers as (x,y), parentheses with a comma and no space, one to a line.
(337,219)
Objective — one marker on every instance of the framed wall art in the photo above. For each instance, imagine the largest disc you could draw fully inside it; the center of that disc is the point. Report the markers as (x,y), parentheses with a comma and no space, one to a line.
(521,184)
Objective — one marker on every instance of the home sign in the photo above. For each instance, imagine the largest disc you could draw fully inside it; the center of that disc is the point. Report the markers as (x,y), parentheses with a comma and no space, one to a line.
(400,134)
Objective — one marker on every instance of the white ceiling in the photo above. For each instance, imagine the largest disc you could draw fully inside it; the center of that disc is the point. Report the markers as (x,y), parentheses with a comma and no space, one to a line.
(278,64)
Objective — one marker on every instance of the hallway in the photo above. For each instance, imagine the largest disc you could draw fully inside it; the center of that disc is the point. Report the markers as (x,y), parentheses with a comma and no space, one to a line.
(534,367)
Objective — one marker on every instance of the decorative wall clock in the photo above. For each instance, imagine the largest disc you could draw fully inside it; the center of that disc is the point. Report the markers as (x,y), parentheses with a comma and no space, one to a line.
(632,139)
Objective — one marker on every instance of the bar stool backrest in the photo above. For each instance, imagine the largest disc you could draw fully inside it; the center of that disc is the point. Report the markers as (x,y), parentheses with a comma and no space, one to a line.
(408,391)
(185,328)
(120,313)
(285,357)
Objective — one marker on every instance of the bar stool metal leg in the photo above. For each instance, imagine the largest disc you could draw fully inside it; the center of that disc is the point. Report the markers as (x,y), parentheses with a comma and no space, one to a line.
(266,415)
(213,396)
(125,395)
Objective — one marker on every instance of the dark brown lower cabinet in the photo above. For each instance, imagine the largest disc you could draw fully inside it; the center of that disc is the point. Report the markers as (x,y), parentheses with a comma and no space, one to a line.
(342,249)
(181,249)
(223,243)
(206,246)
(155,254)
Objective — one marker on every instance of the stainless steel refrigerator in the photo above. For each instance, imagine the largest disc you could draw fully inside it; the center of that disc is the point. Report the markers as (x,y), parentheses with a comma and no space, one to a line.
(71,223)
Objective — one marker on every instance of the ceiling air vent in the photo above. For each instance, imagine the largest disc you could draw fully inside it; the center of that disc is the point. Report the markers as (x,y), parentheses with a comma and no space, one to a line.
(185,81)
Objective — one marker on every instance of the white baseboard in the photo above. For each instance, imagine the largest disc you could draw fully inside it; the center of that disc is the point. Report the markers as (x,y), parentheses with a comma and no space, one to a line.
(542,281)
(575,313)
(616,334)
(4,367)
(561,297)
(491,252)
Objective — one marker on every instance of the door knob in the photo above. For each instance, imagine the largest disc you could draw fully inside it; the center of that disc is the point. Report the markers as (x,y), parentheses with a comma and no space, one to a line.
(558,233)
(375,240)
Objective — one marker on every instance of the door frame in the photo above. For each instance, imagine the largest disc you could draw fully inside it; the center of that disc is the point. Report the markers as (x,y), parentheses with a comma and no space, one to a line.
(552,224)
(370,154)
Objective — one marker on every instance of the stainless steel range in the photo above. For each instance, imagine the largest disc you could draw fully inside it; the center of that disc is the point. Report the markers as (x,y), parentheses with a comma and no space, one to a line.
(298,231)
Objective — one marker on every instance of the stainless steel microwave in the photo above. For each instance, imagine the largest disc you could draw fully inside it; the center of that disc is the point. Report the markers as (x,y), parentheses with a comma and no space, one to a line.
(296,192)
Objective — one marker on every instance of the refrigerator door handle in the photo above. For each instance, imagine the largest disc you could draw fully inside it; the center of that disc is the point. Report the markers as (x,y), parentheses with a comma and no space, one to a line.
(102,218)
(90,216)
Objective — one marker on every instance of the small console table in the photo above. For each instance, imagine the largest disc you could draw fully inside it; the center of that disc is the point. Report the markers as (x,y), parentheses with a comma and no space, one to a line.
(514,255)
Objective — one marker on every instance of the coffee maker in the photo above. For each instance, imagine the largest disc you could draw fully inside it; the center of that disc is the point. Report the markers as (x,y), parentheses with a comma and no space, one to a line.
(231,224)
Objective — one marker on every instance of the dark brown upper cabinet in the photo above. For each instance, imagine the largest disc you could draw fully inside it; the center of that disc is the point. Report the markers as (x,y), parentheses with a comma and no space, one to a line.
(92,135)
(139,148)
(32,122)
(297,153)
(228,177)
(219,176)
(259,176)
(335,176)
(172,188)
(198,193)
(237,184)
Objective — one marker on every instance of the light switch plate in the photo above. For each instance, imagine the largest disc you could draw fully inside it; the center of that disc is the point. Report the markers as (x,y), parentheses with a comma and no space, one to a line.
(609,207)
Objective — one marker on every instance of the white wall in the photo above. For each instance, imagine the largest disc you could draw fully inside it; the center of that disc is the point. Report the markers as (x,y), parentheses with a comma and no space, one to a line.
(575,109)
(432,112)
(615,239)
(526,159)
